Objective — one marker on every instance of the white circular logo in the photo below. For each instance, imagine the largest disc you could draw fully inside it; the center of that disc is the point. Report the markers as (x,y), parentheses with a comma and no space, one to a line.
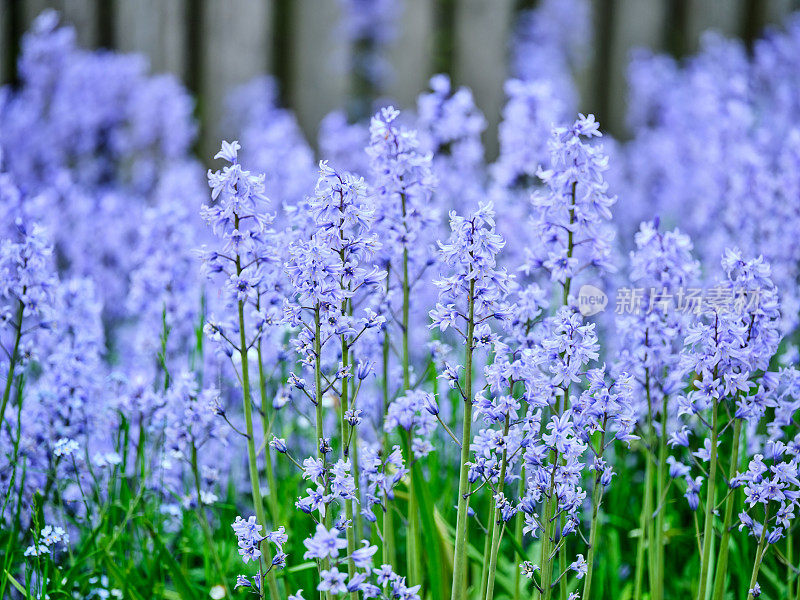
(591,300)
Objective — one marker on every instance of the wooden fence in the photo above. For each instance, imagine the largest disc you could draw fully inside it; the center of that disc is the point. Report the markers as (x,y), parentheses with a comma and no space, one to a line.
(214,45)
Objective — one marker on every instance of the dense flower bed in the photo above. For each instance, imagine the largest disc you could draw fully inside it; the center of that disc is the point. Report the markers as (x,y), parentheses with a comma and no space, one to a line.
(402,372)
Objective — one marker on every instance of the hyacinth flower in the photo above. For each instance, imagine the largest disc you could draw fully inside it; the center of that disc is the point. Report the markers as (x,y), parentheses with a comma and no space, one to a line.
(471,294)
(650,343)
(27,288)
(333,280)
(570,220)
(772,494)
(604,409)
(334,485)
(191,423)
(531,109)
(570,217)
(402,182)
(553,493)
(727,353)
(251,545)
(96,139)
(450,128)
(239,220)
(325,545)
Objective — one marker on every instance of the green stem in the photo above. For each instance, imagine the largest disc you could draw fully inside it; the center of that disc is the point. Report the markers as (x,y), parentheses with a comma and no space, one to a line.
(647,510)
(272,496)
(597,497)
(661,484)
(487,547)
(12,362)
(413,557)
(388,521)
(320,417)
(255,484)
(459,591)
(652,552)
(711,499)
(730,502)
(759,555)
(346,435)
(547,536)
(562,563)
(570,240)
(518,536)
(499,525)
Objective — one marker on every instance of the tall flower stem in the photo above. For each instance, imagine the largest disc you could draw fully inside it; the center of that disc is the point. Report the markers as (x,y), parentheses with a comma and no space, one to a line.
(487,546)
(346,439)
(597,498)
(647,510)
(650,530)
(711,498)
(730,503)
(499,525)
(358,519)
(645,517)
(459,591)
(661,485)
(562,550)
(12,362)
(570,242)
(272,496)
(388,521)
(319,415)
(255,484)
(518,536)
(413,556)
(759,555)
(547,535)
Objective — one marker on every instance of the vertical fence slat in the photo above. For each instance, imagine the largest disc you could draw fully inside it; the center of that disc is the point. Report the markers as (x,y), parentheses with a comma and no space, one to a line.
(156,28)
(5,43)
(81,14)
(723,17)
(778,10)
(235,45)
(320,62)
(637,23)
(410,55)
(482,30)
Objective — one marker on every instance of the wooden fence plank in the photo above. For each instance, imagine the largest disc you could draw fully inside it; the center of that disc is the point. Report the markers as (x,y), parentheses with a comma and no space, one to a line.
(482,33)
(778,10)
(235,46)
(82,14)
(411,53)
(637,23)
(320,63)
(156,28)
(723,16)
(6,56)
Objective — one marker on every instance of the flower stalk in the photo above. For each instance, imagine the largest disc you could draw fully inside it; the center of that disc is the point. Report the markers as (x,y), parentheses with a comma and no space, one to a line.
(459,591)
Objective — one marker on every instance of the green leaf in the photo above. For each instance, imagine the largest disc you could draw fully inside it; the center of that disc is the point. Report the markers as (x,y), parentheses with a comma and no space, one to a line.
(182,584)
(17,584)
